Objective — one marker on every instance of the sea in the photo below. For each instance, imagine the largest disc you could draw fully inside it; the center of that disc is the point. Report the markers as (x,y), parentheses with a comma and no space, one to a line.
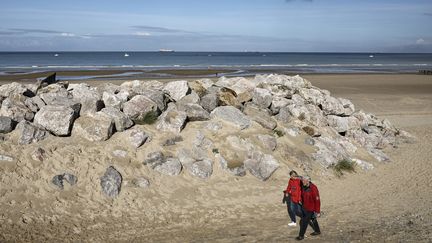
(246,63)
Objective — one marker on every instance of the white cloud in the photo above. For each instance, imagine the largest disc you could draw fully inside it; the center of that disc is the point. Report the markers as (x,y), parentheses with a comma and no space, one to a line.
(67,34)
(142,33)
(420,41)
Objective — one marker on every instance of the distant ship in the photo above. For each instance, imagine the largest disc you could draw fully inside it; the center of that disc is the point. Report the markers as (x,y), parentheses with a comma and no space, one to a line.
(371,56)
(166,50)
(126,55)
(56,55)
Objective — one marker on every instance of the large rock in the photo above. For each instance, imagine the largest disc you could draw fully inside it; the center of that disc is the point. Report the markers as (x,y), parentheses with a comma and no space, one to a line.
(121,120)
(169,166)
(292,83)
(115,99)
(371,139)
(6,124)
(34,103)
(171,120)
(139,107)
(228,97)
(196,162)
(343,124)
(157,96)
(177,89)
(231,115)
(162,164)
(348,106)
(194,112)
(201,169)
(238,84)
(111,182)
(261,116)
(278,103)
(313,95)
(332,150)
(90,99)
(332,106)
(278,90)
(14,88)
(192,98)
(209,102)
(267,141)
(141,86)
(307,113)
(94,127)
(29,133)
(137,137)
(14,107)
(262,98)
(54,94)
(261,165)
(56,119)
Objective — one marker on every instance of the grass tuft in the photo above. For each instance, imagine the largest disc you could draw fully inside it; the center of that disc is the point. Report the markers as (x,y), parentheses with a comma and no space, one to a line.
(149,118)
(278,133)
(345,165)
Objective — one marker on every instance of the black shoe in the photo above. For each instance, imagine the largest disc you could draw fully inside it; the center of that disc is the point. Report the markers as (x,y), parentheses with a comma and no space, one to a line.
(315,233)
(299,238)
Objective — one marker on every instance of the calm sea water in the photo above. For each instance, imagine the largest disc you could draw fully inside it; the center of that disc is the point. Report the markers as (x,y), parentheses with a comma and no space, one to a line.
(296,62)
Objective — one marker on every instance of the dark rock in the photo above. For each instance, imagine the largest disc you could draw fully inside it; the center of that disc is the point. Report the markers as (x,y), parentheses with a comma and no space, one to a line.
(172,141)
(51,79)
(154,158)
(6,124)
(111,182)
(29,133)
(59,180)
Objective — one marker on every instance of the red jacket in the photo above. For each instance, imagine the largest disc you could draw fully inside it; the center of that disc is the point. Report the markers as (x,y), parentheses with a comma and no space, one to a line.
(310,198)
(294,190)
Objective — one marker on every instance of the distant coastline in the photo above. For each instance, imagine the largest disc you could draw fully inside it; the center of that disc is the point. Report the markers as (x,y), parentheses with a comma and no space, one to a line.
(171,64)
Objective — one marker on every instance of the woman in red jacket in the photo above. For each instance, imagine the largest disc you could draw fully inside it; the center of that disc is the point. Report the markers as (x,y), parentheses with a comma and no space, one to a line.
(311,205)
(293,193)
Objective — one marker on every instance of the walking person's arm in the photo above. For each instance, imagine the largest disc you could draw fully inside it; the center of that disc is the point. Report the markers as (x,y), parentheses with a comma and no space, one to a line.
(317,209)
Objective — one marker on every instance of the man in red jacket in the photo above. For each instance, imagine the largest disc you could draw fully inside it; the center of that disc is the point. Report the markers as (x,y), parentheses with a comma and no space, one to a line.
(293,196)
(311,208)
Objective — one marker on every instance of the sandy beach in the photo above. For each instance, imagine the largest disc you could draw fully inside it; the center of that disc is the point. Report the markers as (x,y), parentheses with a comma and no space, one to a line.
(391,203)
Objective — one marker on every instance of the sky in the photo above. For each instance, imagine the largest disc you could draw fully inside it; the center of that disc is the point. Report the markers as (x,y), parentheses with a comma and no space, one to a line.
(223,25)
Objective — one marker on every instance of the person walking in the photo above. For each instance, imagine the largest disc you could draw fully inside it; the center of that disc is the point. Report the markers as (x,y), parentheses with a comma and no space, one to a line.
(293,197)
(311,205)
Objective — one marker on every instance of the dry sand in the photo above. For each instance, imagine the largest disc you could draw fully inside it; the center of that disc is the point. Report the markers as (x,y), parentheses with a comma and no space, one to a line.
(392,203)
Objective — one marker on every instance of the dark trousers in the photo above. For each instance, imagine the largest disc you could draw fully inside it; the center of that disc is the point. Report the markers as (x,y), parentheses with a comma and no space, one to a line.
(294,209)
(308,218)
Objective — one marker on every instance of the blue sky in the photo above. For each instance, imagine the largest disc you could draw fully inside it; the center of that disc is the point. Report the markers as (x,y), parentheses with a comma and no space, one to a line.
(223,25)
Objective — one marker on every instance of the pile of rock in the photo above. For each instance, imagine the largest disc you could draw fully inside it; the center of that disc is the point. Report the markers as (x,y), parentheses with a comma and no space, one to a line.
(286,106)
